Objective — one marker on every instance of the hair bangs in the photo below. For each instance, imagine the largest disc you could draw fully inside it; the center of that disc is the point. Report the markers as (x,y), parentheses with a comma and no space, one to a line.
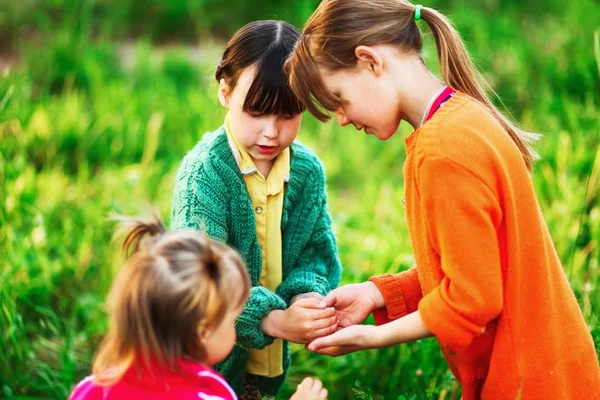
(307,84)
(270,92)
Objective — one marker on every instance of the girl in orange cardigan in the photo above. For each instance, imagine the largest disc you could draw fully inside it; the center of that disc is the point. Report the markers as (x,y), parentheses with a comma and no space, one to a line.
(488,282)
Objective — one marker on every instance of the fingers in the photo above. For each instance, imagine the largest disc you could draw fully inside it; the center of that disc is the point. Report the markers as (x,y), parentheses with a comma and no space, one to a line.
(335,351)
(323,394)
(325,323)
(323,342)
(344,337)
(310,389)
(330,299)
(322,314)
(325,331)
(317,386)
(313,314)
(310,302)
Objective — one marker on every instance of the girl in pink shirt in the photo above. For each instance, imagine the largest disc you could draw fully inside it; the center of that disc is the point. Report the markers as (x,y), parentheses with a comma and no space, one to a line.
(172,309)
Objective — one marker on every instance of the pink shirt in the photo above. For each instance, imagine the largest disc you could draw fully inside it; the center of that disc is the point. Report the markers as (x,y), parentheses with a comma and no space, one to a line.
(195,382)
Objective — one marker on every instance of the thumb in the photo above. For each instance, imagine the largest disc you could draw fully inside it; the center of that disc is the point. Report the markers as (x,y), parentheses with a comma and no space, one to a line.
(330,299)
(324,342)
(317,344)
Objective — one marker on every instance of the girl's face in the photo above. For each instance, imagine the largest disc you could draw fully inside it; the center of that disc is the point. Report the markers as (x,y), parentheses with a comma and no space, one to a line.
(263,136)
(220,341)
(369,99)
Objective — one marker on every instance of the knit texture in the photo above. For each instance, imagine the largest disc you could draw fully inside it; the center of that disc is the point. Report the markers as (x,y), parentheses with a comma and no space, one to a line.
(495,294)
(401,293)
(211,196)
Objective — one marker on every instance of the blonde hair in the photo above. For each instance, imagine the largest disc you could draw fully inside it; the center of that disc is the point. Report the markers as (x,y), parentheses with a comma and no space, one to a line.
(172,287)
(337,27)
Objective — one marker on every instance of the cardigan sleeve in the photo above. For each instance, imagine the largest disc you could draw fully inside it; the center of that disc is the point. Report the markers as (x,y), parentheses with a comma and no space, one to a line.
(401,293)
(318,268)
(463,215)
(261,302)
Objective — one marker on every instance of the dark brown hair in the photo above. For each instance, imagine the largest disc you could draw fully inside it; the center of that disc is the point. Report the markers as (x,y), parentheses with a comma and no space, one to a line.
(173,286)
(266,44)
(337,27)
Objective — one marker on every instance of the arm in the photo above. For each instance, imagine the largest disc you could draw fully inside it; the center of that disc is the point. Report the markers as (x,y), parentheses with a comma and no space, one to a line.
(401,292)
(463,216)
(362,337)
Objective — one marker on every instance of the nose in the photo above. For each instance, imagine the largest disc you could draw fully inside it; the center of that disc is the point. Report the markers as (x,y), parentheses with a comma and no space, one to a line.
(270,130)
(341,117)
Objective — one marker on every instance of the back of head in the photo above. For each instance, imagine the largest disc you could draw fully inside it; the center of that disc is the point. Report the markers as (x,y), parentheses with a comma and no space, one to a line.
(337,27)
(172,287)
(266,44)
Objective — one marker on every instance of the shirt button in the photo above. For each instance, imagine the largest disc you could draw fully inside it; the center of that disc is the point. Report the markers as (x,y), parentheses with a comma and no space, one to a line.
(258,209)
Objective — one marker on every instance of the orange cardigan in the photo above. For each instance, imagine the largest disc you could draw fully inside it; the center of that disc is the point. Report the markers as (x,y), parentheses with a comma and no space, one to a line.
(488,282)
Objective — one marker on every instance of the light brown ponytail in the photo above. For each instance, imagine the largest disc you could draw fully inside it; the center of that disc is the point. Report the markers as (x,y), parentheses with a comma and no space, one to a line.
(337,27)
(459,73)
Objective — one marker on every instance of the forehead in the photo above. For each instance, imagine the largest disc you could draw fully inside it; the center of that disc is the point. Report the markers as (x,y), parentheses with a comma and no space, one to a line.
(334,80)
(328,76)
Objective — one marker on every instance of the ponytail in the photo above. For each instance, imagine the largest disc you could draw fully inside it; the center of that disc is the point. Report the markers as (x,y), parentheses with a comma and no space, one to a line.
(459,73)
(136,230)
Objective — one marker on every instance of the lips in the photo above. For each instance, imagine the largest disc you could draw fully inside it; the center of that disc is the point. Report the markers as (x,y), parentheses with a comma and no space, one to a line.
(266,150)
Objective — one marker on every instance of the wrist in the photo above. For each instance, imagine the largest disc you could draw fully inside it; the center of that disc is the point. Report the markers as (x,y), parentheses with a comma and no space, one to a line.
(300,296)
(374,294)
(271,323)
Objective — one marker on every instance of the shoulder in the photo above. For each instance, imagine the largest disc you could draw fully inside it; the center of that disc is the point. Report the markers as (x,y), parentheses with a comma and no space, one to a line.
(86,390)
(466,134)
(210,158)
(212,146)
(214,386)
(305,165)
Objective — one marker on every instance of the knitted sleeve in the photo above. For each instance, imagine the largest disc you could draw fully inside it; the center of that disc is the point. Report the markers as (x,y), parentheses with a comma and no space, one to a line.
(401,293)
(199,199)
(261,302)
(318,267)
(463,215)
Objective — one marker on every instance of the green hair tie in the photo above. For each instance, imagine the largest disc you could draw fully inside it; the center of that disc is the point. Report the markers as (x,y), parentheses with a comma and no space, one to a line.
(418,12)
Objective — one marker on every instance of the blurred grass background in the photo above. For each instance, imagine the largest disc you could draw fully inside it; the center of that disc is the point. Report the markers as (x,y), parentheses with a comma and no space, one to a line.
(100,100)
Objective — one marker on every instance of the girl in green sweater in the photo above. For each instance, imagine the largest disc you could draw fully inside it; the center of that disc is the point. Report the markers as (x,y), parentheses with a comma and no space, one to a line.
(251,185)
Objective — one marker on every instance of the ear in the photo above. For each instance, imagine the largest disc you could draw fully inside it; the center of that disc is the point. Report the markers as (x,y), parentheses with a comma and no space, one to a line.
(224,94)
(370,59)
(204,332)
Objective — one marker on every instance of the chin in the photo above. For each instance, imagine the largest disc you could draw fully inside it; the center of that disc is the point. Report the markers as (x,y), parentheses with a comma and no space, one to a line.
(384,135)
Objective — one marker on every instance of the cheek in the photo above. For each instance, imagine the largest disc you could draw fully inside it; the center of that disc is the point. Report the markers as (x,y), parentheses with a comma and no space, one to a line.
(248,129)
(289,129)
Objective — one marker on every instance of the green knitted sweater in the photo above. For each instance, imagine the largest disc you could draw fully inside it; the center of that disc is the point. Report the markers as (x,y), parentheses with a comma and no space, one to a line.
(211,196)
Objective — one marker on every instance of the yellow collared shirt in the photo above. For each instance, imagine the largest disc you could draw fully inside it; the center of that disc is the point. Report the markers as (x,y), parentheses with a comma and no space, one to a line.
(267,201)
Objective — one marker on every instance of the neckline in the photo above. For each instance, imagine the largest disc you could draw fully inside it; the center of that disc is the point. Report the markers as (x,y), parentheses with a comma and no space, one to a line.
(449,106)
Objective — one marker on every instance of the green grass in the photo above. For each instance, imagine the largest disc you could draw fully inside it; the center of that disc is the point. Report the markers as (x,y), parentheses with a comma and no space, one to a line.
(83,134)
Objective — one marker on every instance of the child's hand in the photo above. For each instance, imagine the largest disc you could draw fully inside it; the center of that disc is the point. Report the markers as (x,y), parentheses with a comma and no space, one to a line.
(353,303)
(304,321)
(361,337)
(310,389)
(348,340)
